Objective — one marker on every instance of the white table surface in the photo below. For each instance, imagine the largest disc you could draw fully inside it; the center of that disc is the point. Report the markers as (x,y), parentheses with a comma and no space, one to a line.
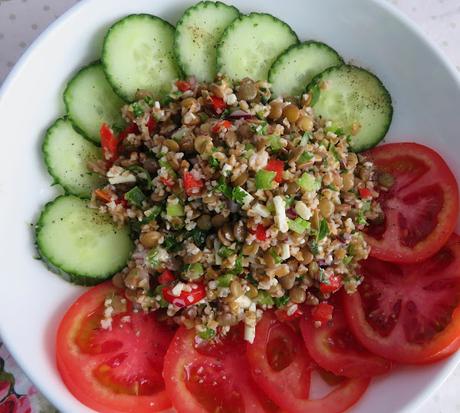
(21,21)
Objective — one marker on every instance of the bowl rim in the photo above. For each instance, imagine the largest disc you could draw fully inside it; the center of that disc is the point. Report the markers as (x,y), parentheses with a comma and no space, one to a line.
(451,363)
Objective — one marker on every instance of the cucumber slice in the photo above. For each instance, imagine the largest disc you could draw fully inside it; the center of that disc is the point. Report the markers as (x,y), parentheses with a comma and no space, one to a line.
(79,243)
(251,44)
(197,34)
(66,155)
(297,66)
(90,101)
(355,101)
(138,54)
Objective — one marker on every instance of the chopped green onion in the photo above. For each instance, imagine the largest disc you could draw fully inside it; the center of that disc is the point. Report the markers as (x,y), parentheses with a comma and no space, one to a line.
(361,219)
(174,209)
(281,301)
(207,334)
(135,196)
(289,200)
(323,230)
(264,179)
(152,214)
(299,225)
(305,157)
(165,164)
(238,267)
(213,162)
(166,100)
(149,100)
(308,182)
(193,271)
(152,258)
(305,138)
(225,252)
(347,259)
(334,152)
(264,298)
(138,110)
(225,280)
(275,256)
(274,142)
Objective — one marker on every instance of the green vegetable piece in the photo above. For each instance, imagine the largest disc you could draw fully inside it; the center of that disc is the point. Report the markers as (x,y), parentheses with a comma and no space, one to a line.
(238,268)
(241,196)
(198,236)
(225,280)
(213,162)
(135,196)
(171,244)
(361,218)
(224,188)
(264,179)
(149,100)
(138,110)
(347,259)
(323,230)
(174,209)
(159,292)
(274,142)
(314,248)
(264,298)
(275,256)
(281,301)
(152,214)
(193,271)
(334,152)
(308,182)
(207,334)
(152,258)
(225,252)
(305,157)
(306,137)
(299,225)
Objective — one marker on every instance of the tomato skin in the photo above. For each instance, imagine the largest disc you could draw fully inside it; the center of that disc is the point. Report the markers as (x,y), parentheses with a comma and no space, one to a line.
(421,206)
(78,365)
(336,350)
(286,379)
(365,193)
(283,316)
(432,285)
(261,233)
(322,313)
(225,363)
(166,277)
(276,165)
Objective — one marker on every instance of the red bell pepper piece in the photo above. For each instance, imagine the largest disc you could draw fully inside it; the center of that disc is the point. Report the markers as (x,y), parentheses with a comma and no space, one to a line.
(365,193)
(275,165)
(192,186)
(335,282)
(109,143)
(261,233)
(218,105)
(166,277)
(167,181)
(222,124)
(183,85)
(185,298)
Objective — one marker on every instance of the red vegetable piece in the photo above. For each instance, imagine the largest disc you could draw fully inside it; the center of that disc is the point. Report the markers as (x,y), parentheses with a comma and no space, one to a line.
(218,105)
(183,85)
(166,277)
(335,282)
(167,181)
(322,312)
(185,298)
(151,124)
(283,316)
(192,186)
(261,233)
(109,143)
(131,128)
(365,193)
(222,124)
(275,165)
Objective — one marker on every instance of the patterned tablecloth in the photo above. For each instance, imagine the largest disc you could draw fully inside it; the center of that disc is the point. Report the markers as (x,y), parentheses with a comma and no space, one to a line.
(21,21)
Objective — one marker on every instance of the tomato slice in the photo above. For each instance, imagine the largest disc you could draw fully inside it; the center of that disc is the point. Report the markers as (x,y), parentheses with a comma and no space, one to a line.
(409,313)
(212,378)
(112,370)
(420,207)
(335,349)
(282,368)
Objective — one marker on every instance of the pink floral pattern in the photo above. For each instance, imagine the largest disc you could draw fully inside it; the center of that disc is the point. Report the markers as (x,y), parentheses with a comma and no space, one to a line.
(17,393)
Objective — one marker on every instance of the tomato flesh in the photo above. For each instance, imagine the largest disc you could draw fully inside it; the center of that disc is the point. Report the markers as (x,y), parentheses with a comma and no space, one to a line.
(420,204)
(117,369)
(409,313)
(212,377)
(335,349)
(282,368)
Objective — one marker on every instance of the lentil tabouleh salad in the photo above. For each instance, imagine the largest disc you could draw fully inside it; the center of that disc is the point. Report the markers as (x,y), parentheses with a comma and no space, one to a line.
(224,187)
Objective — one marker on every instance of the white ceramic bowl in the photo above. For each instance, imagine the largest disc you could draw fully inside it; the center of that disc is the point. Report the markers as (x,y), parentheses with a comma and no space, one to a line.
(426,95)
